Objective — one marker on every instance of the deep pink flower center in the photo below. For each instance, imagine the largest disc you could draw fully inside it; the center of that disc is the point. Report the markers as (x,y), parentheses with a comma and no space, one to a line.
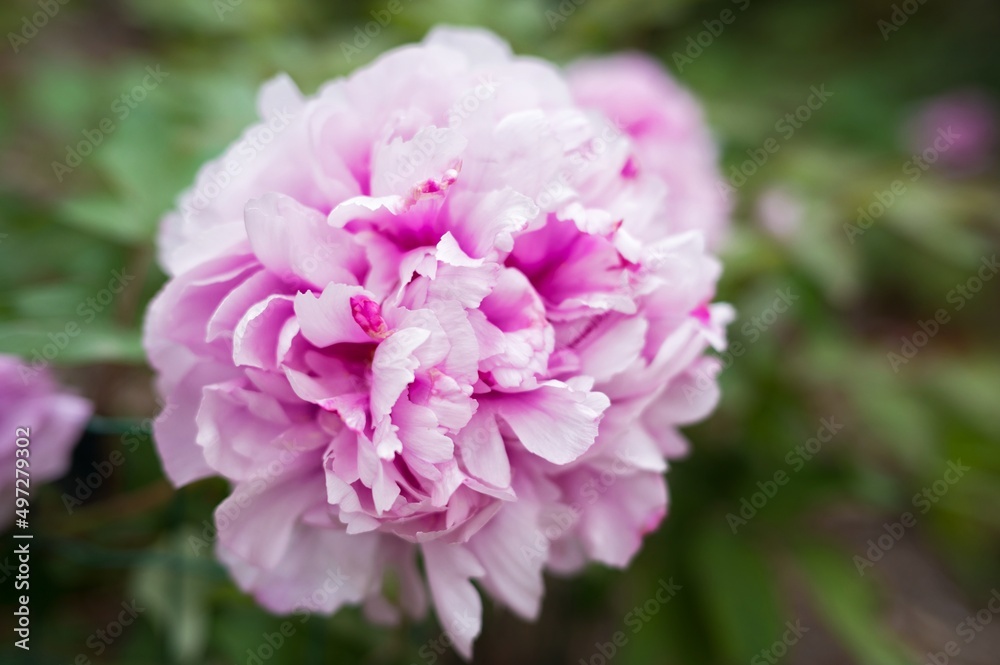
(630,170)
(431,187)
(368,315)
(702,313)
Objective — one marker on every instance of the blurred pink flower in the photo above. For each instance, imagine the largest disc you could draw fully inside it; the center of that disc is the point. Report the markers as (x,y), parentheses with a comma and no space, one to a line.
(36,408)
(780,212)
(964,122)
(444,308)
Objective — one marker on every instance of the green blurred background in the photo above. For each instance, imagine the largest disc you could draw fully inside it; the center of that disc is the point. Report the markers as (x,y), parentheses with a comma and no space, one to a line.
(857,292)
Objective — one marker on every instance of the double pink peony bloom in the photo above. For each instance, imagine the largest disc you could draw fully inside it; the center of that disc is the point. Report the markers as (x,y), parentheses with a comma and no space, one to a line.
(450,309)
(48,420)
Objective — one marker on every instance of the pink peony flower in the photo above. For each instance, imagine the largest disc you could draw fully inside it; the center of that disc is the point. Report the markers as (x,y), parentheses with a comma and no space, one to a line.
(445,310)
(35,408)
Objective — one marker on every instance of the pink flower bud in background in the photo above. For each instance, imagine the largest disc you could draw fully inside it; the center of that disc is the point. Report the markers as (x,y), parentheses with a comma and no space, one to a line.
(38,416)
(961,127)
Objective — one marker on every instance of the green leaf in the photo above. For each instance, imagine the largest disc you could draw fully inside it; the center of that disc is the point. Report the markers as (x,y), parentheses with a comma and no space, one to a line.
(97,342)
(176,596)
(104,216)
(740,593)
(848,605)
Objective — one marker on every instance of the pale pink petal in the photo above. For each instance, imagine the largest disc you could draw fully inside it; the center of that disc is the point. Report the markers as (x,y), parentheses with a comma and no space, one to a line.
(554,421)
(419,428)
(502,548)
(327,319)
(264,333)
(612,529)
(486,222)
(392,368)
(483,451)
(459,608)
(296,244)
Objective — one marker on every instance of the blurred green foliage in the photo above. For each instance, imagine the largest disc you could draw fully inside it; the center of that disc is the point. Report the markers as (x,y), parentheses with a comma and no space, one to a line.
(826,357)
